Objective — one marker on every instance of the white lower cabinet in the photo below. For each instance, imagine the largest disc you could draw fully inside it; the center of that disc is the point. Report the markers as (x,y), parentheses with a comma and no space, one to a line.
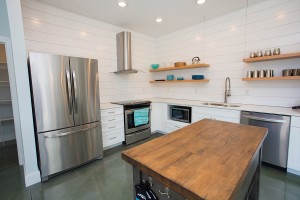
(294,147)
(159,112)
(112,121)
(227,115)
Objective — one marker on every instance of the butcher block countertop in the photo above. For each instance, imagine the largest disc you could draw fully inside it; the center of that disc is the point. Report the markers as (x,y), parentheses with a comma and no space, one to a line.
(205,160)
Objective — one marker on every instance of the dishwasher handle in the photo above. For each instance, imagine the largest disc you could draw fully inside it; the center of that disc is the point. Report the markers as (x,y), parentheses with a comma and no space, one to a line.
(264,119)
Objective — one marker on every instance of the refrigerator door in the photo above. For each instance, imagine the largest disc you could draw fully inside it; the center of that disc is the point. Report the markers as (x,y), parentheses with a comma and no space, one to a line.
(85,81)
(51,91)
(67,148)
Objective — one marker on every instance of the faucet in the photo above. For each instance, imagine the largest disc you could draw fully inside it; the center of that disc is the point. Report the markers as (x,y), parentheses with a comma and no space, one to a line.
(227,89)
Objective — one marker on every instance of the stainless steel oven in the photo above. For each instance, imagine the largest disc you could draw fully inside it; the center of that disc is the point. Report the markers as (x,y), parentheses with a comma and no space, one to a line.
(129,121)
(133,132)
(181,113)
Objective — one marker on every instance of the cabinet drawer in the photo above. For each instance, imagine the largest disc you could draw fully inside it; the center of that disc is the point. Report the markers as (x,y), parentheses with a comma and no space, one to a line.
(107,128)
(173,125)
(198,117)
(217,112)
(111,112)
(114,137)
(295,121)
(112,119)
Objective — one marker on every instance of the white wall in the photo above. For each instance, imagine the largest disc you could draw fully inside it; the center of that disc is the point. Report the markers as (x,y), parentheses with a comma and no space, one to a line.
(16,60)
(52,30)
(4,28)
(223,42)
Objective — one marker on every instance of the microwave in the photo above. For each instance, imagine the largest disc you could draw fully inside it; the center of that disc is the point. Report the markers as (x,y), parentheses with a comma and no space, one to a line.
(181,113)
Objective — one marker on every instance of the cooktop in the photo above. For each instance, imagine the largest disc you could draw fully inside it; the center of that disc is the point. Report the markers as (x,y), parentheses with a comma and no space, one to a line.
(133,102)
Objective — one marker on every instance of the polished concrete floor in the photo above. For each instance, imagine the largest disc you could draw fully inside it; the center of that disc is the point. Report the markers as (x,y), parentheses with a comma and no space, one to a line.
(111,179)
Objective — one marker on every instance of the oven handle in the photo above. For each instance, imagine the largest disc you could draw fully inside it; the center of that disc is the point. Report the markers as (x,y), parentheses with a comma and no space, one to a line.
(131,111)
(264,119)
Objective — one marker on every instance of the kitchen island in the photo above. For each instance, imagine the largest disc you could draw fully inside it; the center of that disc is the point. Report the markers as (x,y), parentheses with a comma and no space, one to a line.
(208,159)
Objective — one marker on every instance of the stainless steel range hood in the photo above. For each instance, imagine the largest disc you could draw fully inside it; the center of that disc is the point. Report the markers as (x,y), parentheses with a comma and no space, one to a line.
(124,53)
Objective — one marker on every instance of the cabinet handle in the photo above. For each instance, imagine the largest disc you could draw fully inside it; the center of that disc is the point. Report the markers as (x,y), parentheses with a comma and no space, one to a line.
(111,120)
(111,112)
(112,127)
(112,138)
(166,192)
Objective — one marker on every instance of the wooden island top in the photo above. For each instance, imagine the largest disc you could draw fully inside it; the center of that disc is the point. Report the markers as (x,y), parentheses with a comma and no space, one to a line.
(208,159)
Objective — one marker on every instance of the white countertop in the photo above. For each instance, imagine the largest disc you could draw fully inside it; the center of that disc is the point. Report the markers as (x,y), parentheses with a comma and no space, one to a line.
(244,107)
(104,106)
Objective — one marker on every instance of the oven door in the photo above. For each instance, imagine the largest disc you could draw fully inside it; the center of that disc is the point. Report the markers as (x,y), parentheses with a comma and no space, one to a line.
(129,122)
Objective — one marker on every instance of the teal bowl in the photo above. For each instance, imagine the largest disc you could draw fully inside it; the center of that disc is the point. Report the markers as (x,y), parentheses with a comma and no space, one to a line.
(170,77)
(155,66)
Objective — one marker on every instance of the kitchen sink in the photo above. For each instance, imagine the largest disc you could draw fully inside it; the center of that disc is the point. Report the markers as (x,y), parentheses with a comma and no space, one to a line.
(222,104)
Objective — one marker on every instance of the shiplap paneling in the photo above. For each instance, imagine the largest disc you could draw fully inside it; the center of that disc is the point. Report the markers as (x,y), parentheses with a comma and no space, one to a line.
(223,42)
(53,30)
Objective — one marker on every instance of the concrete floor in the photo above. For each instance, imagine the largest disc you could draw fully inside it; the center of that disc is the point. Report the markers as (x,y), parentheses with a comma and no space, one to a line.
(111,179)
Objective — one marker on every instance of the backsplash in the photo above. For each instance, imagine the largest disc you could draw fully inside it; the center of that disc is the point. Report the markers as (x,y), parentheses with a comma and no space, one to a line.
(223,42)
(52,30)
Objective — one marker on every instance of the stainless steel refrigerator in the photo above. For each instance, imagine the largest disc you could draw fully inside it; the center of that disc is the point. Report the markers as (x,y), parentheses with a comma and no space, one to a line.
(65,99)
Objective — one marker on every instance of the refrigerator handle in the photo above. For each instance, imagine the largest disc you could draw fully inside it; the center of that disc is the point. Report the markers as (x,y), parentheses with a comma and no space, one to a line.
(55,135)
(69,90)
(75,91)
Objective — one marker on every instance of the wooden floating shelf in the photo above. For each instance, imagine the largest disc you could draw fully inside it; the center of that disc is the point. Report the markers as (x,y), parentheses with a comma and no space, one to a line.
(177,68)
(280,78)
(274,57)
(182,81)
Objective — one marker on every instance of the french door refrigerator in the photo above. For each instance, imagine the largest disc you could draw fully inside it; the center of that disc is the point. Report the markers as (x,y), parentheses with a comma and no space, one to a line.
(65,98)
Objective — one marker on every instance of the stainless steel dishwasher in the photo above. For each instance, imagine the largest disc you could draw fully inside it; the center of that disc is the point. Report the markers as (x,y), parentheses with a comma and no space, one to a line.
(275,147)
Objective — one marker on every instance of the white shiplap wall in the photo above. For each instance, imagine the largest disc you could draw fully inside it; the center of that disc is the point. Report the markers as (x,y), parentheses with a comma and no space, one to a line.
(52,30)
(223,42)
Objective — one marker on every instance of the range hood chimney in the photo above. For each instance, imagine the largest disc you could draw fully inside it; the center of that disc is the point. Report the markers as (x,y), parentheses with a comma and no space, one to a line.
(124,53)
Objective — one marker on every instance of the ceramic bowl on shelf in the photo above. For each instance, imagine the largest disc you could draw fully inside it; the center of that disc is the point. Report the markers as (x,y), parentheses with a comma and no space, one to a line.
(180,78)
(155,66)
(170,77)
(197,77)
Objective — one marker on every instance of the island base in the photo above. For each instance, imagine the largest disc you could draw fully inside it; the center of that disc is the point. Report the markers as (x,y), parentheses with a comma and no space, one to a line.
(249,190)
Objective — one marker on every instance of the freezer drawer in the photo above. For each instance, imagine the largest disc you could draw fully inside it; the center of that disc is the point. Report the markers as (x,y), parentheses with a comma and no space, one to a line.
(68,148)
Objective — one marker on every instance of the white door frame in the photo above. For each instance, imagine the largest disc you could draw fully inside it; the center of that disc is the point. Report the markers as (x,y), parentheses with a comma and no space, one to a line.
(13,90)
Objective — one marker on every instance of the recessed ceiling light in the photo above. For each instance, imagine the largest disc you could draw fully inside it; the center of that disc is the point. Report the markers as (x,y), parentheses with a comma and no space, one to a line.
(158,19)
(200,2)
(122,3)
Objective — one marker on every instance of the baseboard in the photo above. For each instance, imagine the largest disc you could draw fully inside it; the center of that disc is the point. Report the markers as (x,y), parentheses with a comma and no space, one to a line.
(112,146)
(32,178)
(293,171)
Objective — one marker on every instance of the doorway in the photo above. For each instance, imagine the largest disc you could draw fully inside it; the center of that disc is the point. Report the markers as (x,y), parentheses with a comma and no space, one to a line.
(8,144)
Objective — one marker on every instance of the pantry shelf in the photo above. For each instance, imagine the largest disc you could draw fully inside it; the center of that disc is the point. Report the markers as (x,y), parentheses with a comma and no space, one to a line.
(178,68)
(280,78)
(274,57)
(5,119)
(181,81)
(5,101)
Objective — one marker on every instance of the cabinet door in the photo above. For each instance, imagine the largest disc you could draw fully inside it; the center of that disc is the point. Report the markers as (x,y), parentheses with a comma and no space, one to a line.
(158,117)
(294,149)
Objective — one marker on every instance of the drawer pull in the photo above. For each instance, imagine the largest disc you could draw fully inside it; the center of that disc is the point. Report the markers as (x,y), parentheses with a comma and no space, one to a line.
(111,120)
(166,192)
(112,138)
(112,127)
(111,112)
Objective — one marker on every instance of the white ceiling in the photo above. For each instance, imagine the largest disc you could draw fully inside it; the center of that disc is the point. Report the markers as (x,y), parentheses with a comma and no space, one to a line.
(140,15)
